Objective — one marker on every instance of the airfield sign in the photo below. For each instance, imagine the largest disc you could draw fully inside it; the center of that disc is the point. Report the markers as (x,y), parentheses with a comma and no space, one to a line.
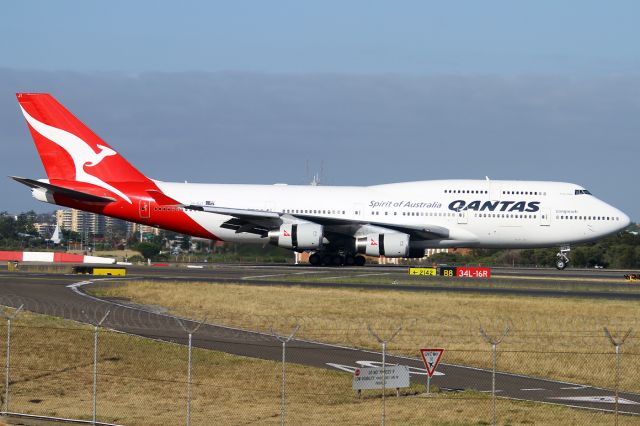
(431,358)
(396,376)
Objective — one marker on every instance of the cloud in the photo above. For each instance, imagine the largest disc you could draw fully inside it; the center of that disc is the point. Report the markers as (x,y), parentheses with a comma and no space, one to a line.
(239,127)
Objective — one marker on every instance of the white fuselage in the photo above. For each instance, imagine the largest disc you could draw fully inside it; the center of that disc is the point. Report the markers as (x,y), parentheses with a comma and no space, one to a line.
(477,213)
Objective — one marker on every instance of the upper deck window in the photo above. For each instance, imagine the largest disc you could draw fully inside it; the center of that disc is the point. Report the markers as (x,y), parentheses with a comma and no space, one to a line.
(582,191)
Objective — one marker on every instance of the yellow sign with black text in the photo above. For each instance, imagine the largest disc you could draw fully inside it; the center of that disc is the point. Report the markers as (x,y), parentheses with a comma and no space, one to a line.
(423,271)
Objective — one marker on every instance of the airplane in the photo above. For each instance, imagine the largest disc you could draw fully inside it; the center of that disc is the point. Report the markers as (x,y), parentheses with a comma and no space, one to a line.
(337,225)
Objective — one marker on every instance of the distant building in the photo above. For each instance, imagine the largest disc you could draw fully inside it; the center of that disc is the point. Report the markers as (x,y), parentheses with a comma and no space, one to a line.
(132,228)
(429,252)
(87,223)
(45,230)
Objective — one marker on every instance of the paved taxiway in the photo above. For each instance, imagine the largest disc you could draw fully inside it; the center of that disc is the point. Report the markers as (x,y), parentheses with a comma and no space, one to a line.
(51,294)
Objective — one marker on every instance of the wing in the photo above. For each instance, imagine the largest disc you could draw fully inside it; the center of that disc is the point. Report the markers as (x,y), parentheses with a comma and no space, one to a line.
(245,220)
(261,222)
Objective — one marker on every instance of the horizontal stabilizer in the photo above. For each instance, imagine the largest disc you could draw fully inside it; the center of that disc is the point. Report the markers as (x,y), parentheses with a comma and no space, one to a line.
(60,190)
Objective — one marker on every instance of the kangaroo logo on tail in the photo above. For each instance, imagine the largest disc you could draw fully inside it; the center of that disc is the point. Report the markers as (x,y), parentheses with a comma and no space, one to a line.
(81,153)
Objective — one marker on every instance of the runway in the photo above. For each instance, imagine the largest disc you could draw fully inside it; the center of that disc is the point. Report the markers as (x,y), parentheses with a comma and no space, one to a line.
(542,282)
(64,296)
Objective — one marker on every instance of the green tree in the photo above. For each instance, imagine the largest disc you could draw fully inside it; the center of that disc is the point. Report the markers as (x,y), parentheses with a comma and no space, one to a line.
(148,250)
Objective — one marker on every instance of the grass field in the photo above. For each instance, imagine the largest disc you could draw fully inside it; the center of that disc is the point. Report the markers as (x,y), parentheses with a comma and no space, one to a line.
(142,382)
(529,283)
(562,338)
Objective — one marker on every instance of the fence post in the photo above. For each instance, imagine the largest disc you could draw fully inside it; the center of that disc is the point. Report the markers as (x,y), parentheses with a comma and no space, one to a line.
(617,343)
(384,364)
(9,318)
(96,325)
(284,340)
(494,348)
(190,331)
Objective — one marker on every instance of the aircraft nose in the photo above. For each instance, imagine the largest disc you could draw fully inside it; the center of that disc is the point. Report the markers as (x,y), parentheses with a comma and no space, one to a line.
(624,220)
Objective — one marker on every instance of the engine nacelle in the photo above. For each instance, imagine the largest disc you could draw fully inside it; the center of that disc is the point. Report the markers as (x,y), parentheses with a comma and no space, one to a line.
(304,236)
(43,195)
(393,244)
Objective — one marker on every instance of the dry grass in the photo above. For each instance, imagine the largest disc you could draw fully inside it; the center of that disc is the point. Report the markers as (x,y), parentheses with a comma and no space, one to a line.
(143,382)
(561,338)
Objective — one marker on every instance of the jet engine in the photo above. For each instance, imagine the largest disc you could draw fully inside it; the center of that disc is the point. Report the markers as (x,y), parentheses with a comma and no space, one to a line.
(393,244)
(304,236)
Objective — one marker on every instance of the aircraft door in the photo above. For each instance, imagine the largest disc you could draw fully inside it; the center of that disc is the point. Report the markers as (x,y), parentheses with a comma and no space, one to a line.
(495,192)
(358,210)
(462,216)
(545,218)
(144,209)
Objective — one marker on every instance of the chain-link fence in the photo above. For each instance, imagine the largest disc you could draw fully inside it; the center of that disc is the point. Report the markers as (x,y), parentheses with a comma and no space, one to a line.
(575,374)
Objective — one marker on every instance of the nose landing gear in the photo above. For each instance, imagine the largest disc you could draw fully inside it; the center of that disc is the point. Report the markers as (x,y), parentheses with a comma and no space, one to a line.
(561,258)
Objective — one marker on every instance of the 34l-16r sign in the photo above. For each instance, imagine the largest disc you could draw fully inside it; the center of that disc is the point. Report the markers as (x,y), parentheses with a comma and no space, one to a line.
(453,271)
(473,272)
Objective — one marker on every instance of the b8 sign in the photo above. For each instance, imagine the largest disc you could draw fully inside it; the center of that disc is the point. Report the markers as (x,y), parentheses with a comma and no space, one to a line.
(473,272)
(447,271)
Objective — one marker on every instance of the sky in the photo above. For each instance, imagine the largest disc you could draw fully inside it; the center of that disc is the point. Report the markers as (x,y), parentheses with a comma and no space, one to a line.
(370,92)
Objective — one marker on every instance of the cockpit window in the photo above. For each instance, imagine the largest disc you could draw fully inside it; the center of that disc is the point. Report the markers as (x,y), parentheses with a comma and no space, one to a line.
(582,191)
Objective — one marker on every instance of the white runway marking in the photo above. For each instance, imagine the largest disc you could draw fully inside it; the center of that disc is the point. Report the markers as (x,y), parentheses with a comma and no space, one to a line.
(574,387)
(533,389)
(370,275)
(601,399)
(352,276)
(281,275)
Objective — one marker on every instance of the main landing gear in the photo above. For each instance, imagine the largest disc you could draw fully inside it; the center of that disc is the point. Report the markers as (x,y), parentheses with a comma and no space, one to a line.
(562,260)
(336,259)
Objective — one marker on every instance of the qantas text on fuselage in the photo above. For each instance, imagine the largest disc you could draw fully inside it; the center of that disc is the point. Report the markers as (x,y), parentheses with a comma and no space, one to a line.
(338,225)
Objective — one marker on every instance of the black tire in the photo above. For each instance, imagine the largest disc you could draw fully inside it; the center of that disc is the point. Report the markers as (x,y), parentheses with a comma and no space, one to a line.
(349,260)
(360,260)
(314,259)
(337,260)
(561,264)
(325,260)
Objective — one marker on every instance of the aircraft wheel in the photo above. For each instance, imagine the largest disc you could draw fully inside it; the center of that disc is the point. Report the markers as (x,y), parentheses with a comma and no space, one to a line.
(326,260)
(337,260)
(349,260)
(360,260)
(561,264)
(314,259)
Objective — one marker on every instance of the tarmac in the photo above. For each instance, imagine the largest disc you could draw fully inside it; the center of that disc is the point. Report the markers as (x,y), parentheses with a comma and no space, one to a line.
(64,296)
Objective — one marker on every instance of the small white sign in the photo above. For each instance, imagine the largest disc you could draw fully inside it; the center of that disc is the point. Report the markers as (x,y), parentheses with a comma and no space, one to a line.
(397,376)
